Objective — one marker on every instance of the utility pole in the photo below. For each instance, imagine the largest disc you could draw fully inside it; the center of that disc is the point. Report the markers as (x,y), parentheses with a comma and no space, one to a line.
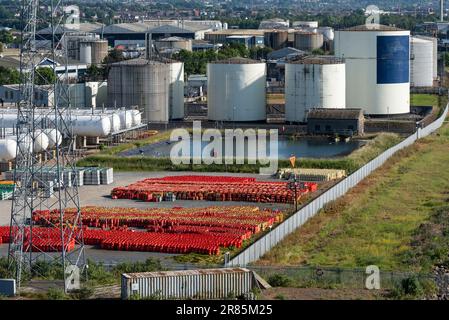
(38,173)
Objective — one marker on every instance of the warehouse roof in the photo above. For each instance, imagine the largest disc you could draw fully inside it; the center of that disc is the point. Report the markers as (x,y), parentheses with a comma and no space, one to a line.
(83,27)
(236,60)
(373,27)
(285,53)
(340,114)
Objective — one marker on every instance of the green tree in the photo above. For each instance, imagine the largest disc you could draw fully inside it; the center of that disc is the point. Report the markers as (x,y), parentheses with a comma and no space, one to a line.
(1,47)
(44,76)
(9,76)
(6,37)
(114,56)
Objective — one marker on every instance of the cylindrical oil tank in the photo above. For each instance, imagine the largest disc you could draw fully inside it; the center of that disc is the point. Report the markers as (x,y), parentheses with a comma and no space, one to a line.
(8,149)
(142,83)
(174,43)
(54,137)
(115,122)
(276,39)
(308,41)
(314,82)
(85,52)
(421,63)
(435,54)
(137,117)
(41,141)
(176,90)
(327,32)
(236,90)
(91,126)
(93,51)
(377,61)
(126,119)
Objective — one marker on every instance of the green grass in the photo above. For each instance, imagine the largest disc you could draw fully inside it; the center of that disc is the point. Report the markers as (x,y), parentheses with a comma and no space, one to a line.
(375,223)
(424,100)
(142,163)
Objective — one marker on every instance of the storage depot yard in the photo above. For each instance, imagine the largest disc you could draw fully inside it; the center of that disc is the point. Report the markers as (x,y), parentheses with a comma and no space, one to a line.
(100,196)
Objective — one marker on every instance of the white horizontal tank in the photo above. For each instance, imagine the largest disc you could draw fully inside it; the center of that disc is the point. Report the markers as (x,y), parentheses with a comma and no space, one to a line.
(377,68)
(236,90)
(91,126)
(41,141)
(137,117)
(313,82)
(8,149)
(126,119)
(54,137)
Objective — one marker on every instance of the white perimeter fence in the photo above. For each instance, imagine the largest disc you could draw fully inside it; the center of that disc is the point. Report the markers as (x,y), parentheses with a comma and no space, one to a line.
(268,241)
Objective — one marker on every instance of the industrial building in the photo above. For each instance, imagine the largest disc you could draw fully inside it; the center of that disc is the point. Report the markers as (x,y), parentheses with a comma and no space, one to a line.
(174,44)
(155,86)
(377,68)
(313,82)
(82,95)
(236,90)
(347,122)
(247,41)
(220,36)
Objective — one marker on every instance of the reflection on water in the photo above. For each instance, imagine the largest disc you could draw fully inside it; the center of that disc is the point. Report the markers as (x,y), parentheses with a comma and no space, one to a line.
(304,148)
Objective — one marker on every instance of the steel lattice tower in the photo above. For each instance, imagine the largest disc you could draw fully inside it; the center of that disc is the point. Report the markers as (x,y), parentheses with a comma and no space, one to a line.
(35,168)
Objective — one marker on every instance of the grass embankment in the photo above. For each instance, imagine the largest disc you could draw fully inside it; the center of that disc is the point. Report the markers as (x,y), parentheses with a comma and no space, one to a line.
(350,163)
(418,99)
(379,221)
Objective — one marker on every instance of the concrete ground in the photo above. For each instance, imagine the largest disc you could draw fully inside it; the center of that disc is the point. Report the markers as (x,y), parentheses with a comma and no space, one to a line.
(100,196)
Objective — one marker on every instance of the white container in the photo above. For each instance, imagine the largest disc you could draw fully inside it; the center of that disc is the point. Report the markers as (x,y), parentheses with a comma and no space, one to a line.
(313,83)
(189,284)
(91,126)
(41,141)
(422,63)
(126,119)
(54,137)
(377,68)
(236,90)
(8,149)
(137,118)
(115,122)
(176,90)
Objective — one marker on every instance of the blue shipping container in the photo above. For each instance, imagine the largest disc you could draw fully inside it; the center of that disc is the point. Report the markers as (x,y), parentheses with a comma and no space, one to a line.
(393,59)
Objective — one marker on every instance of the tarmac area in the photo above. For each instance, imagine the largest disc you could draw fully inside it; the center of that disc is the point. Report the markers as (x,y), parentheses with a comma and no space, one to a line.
(100,196)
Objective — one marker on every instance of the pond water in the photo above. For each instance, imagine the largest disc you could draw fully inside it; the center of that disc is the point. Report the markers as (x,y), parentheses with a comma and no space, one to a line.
(302,148)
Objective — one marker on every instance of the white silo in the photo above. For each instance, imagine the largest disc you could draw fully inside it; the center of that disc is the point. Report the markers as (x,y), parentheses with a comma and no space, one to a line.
(434,54)
(421,63)
(313,82)
(176,90)
(377,68)
(236,90)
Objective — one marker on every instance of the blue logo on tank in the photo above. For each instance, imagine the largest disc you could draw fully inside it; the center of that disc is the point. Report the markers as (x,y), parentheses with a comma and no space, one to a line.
(393,59)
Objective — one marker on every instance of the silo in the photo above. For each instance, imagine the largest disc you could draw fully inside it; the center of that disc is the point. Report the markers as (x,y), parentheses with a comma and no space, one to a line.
(236,90)
(142,83)
(308,41)
(313,82)
(93,51)
(176,90)
(174,43)
(85,52)
(377,68)
(421,63)
(435,54)
(276,39)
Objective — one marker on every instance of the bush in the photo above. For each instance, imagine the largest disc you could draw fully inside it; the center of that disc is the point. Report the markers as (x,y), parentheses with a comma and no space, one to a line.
(82,294)
(279,280)
(56,294)
(412,287)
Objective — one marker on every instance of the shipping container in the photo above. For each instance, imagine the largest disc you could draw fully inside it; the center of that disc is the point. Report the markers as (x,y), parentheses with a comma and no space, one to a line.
(188,284)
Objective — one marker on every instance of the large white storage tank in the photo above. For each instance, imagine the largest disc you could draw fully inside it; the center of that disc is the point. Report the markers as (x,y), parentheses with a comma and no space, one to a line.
(155,86)
(8,149)
(313,82)
(421,63)
(236,90)
(377,68)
